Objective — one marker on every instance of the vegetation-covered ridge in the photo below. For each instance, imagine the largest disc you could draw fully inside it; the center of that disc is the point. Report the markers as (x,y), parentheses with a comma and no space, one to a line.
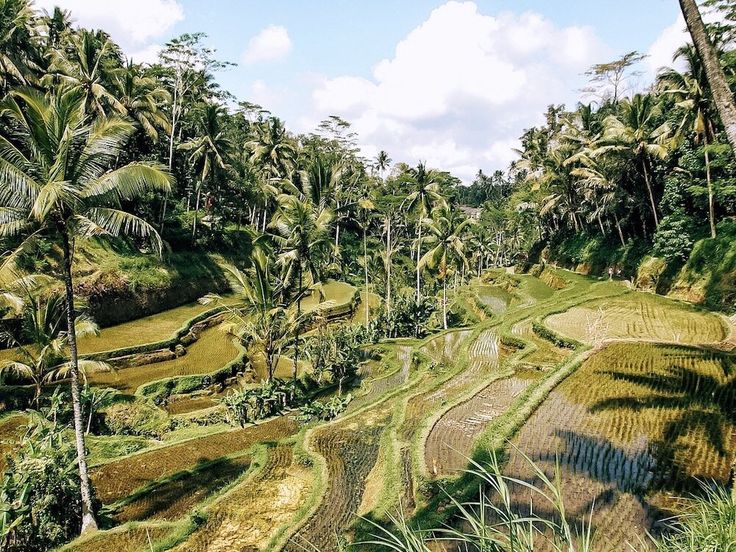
(378,357)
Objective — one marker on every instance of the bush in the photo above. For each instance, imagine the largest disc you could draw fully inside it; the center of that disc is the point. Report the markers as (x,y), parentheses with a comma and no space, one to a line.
(325,411)
(134,418)
(40,498)
(673,240)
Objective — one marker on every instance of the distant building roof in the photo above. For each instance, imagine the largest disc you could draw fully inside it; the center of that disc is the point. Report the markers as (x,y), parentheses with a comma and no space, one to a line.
(470,212)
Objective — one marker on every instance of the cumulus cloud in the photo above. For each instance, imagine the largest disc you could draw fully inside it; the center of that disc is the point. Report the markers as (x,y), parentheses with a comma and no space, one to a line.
(462,86)
(132,23)
(663,48)
(270,44)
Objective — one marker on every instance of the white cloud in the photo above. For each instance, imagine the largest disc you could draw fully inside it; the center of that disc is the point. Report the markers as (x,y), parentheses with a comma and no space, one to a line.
(663,48)
(133,24)
(462,86)
(270,44)
(670,39)
(130,22)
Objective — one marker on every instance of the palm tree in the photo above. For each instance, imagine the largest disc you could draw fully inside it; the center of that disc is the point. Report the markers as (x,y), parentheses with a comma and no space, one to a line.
(390,222)
(143,99)
(364,218)
(633,133)
(692,93)
(86,67)
(426,195)
(208,151)
(46,357)
(446,234)
(302,231)
(273,152)
(722,94)
(54,166)
(382,162)
(265,325)
(16,48)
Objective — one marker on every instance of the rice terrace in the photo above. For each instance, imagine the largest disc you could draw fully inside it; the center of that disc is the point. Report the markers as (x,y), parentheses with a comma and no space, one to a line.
(445,276)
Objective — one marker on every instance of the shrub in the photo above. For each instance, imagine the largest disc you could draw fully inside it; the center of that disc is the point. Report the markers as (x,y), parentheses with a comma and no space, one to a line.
(133,418)
(325,411)
(673,240)
(39,499)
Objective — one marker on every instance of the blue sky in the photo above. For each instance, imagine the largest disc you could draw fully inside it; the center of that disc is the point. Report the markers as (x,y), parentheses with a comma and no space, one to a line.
(452,83)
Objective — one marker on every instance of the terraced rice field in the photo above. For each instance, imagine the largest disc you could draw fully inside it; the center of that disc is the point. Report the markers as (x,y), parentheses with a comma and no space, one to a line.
(175,496)
(248,517)
(636,424)
(639,316)
(493,298)
(117,479)
(350,451)
(212,350)
(339,294)
(450,442)
(126,539)
(157,327)
(380,386)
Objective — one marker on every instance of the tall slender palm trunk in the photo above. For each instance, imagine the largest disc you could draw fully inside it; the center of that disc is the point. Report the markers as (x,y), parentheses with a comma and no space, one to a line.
(713,71)
(196,211)
(365,267)
(444,300)
(711,200)
(295,370)
(648,182)
(419,256)
(388,267)
(88,518)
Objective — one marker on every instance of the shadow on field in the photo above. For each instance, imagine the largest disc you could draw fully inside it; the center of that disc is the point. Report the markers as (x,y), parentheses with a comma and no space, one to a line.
(703,406)
(174,496)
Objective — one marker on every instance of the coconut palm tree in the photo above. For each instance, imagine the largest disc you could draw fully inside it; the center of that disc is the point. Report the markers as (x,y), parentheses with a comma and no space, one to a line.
(16,49)
(208,151)
(425,195)
(264,324)
(446,234)
(382,162)
(722,94)
(302,232)
(275,154)
(143,100)
(57,184)
(691,91)
(633,133)
(45,357)
(364,217)
(86,66)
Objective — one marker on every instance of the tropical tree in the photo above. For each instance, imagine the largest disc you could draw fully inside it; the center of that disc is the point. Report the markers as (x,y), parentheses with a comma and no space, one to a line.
(722,94)
(43,354)
(426,194)
(207,152)
(57,184)
(16,48)
(85,66)
(382,162)
(263,322)
(143,99)
(446,235)
(691,91)
(634,133)
(302,232)
(365,215)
